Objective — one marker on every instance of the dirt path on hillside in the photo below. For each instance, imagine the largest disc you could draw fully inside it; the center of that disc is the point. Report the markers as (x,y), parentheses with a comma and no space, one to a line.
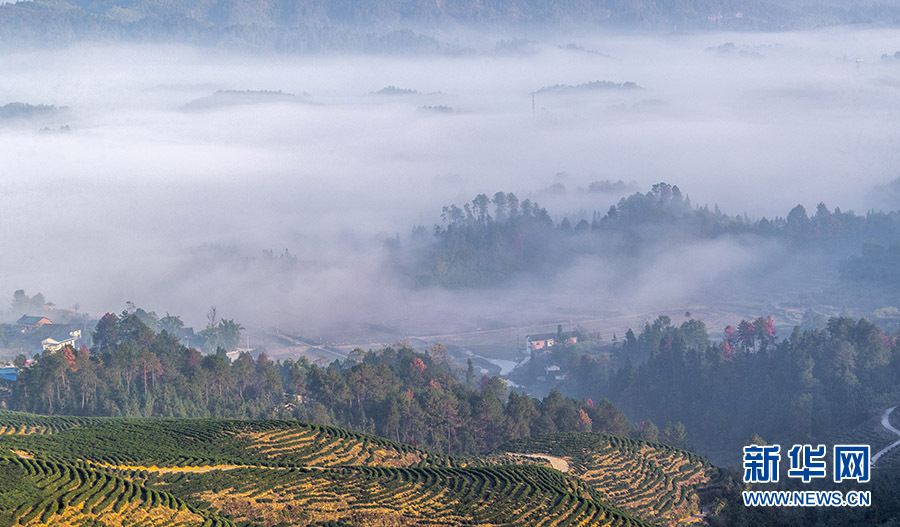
(886,423)
(558,463)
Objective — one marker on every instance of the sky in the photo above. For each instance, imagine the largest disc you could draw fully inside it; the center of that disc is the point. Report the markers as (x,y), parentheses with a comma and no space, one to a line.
(163,193)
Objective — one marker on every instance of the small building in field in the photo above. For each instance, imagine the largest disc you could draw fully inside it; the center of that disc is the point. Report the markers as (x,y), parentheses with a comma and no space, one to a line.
(553,372)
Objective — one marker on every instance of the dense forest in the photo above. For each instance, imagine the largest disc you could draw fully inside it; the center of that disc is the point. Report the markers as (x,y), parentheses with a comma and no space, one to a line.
(395,392)
(475,248)
(875,269)
(494,240)
(799,388)
(802,388)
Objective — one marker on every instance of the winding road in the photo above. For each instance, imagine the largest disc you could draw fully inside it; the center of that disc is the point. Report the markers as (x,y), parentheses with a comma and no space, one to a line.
(886,423)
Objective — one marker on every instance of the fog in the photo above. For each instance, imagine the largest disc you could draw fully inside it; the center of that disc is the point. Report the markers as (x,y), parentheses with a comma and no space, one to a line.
(165,193)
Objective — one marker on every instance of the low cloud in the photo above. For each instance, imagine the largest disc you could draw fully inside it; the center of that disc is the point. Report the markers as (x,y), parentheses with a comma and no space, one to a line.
(143,201)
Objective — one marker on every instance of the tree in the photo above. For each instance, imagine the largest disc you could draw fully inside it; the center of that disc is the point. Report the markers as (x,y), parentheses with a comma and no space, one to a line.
(230,333)
(585,424)
(608,419)
(172,325)
(21,360)
(20,302)
(243,369)
(480,205)
(798,223)
(38,301)
(746,333)
(675,435)
(756,440)
(649,432)
(85,377)
(106,333)
(211,317)
(212,339)
(439,353)
(521,412)
(150,319)
(500,206)
(151,366)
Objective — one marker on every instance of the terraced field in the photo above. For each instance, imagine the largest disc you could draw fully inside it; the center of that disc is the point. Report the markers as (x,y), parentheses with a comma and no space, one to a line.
(652,481)
(38,492)
(301,444)
(508,495)
(214,472)
(20,423)
(197,443)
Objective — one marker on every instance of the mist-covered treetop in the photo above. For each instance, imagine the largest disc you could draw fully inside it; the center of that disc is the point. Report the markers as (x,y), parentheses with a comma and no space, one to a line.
(491,241)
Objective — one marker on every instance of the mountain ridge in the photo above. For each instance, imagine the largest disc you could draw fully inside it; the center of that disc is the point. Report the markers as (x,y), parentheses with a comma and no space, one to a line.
(382,26)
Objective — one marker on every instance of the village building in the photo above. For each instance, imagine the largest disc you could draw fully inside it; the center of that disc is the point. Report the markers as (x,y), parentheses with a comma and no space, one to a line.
(61,339)
(544,341)
(30,323)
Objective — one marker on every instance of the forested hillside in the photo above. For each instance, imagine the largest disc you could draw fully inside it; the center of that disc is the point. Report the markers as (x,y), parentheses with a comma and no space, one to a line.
(395,392)
(799,388)
(496,240)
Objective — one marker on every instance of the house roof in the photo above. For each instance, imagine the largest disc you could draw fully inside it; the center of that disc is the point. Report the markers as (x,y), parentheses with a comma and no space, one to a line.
(541,336)
(56,330)
(62,337)
(28,320)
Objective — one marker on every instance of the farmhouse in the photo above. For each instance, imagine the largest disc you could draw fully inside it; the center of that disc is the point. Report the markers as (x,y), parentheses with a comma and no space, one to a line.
(30,323)
(61,340)
(545,341)
(553,372)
